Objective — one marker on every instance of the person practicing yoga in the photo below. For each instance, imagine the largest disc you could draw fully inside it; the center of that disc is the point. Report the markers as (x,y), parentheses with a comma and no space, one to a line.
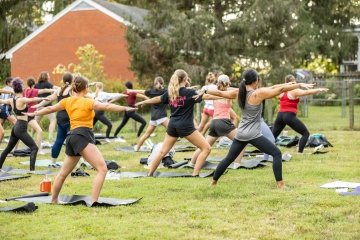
(32,92)
(19,131)
(157,111)
(5,109)
(221,124)
(104,97)
(80,140)
(44,83)
(181,101)
(289,102)
(131,100)
(250,98)
(208,110)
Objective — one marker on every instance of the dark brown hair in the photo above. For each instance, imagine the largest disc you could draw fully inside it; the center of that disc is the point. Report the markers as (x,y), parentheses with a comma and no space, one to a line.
(67,81)
(43,77)
(80,83)
(31,82)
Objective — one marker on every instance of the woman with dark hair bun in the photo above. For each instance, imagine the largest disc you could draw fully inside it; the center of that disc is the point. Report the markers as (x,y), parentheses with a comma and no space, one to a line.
(131,100)
(19,131)
(250,97)
(80,140)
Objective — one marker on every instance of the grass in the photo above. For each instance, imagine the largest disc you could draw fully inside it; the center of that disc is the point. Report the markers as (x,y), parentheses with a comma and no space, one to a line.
(244,205)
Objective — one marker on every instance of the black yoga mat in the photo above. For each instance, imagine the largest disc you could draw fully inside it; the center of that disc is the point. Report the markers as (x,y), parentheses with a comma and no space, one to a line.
(179,164)
(11,170)
(159,174)
(129,149)
(248,164)
(80,200)
(7,176)
(29,196)
(28,207)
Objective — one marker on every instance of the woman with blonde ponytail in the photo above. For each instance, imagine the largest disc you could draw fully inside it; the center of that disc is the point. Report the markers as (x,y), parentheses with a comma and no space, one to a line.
(181,101)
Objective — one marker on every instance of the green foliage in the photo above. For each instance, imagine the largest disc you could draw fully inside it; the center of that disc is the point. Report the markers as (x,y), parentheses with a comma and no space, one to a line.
(90,64)
(320,65)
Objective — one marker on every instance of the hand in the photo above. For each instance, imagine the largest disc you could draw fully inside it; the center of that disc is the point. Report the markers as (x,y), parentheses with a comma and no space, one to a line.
(323,89)
(29,114)
(200,94)
(139,104)
(47,99)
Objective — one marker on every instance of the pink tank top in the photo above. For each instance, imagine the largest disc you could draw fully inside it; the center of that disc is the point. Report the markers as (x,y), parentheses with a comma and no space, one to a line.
(221,110)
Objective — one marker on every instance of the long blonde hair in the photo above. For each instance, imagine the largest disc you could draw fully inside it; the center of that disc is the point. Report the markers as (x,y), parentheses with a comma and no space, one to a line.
(178,77)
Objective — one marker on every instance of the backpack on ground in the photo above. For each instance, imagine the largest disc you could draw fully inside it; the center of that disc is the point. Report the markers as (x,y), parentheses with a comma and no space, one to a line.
(318,139)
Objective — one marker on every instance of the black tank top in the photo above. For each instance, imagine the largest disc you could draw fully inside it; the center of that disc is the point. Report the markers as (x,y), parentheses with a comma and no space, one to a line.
(19,112)
(62,117)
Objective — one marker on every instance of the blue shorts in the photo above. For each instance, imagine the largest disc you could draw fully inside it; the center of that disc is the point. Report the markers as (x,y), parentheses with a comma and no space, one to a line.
(5,111)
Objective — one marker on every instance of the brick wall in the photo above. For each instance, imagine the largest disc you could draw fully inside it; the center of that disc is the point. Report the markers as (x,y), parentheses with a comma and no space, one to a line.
(58,43)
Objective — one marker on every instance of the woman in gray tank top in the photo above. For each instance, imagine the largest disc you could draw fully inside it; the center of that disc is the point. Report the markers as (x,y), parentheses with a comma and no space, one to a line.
(250,98)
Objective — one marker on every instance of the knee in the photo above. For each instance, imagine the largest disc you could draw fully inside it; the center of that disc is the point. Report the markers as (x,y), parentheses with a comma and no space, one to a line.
(34,148)
(102,169)
(39,131)
(206,149)
(306,133)
(110,125)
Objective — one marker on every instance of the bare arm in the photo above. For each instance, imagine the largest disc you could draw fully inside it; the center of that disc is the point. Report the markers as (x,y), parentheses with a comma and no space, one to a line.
(229,94)
(47,90)
(149,101)
(210,97)
(6,101)
(55,108)
(6,91)
(29,100)
(136,91)
(142,96)
(299,92)
(51,98)
(111,107)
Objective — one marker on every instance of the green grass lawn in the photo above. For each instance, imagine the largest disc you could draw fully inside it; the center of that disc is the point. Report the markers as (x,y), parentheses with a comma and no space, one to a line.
(244,205)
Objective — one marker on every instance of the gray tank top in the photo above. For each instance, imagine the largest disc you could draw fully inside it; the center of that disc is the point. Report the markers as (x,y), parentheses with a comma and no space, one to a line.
(250,126)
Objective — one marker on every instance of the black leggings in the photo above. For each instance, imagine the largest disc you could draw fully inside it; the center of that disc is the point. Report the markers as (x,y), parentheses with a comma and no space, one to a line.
(263,144)
(100,116)
(290,119)
(19,131)
(134,115)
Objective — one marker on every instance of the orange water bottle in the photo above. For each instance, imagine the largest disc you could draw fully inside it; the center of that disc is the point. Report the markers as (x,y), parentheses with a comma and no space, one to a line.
(45,185)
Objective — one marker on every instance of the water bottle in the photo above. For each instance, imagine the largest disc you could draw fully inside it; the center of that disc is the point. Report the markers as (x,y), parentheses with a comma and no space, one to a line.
(45,185)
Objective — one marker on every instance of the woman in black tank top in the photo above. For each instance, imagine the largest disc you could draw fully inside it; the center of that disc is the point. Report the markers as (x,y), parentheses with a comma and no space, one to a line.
(19,131)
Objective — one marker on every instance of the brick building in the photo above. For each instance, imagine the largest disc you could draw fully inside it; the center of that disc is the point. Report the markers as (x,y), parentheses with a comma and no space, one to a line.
(97,22)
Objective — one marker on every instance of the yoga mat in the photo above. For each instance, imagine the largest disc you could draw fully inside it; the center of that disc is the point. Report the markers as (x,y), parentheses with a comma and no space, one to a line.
(6,176)
(179,164)
(28,196)
(28,207)
(248,164)
(41,163)
(81,200)
(25,171)
(340,184)
(120,175)
(355,192)
(131,149)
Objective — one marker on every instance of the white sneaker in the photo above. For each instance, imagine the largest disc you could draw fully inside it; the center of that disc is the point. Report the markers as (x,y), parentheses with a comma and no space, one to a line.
(319,148)
(236,165)
(190,164)
(107,140)
(136,148)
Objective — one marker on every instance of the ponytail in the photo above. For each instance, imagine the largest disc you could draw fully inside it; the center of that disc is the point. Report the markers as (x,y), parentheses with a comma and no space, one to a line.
(67,80)
(174,85)
(250,76)
(242,94)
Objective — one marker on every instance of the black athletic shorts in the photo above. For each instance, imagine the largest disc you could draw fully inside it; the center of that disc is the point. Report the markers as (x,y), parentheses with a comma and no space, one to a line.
(220,127)
(180,132)
(78,139)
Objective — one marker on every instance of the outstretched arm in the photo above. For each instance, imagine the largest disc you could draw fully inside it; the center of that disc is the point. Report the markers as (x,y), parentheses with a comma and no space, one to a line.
(142,96)
(230,94)
(6,101)
(34,99)
(210,97)
(149,101)
(51,98)
(299,92)
(111,107)
(269,92)
(6,91)
(136,91)
(47,90)
(55,108)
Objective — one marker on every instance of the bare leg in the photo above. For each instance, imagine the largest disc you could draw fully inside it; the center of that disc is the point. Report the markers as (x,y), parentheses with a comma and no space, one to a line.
(93,156)
(52,125)
(199,141)
(167,145)
(207,126)
(211,140)
(2,133)
(204,119)
(150,129)
(69,164)
(38,132)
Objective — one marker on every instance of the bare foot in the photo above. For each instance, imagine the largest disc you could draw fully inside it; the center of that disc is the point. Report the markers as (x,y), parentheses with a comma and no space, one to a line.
(281,184)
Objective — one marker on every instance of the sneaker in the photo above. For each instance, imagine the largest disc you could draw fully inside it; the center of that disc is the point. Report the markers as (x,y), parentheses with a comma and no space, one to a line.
(190,164)
(54,165)
(107,140)
(319,148)
(136,148)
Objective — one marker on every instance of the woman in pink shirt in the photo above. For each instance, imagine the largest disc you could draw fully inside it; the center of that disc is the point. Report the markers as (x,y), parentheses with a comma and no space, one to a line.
(32,92)
(221,124)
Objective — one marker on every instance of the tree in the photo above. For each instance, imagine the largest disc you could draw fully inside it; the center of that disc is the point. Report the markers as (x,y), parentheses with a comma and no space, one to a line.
(90,64)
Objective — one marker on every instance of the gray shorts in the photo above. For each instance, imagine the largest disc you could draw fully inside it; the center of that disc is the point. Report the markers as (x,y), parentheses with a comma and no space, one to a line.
(220,127)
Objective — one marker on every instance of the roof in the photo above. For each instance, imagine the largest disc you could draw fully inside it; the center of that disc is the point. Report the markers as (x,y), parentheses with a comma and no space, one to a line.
(122,13)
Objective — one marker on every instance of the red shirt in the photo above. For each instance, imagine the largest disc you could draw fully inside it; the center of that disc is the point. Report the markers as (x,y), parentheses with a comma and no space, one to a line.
(131,98)
(288,105)
(30,93)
